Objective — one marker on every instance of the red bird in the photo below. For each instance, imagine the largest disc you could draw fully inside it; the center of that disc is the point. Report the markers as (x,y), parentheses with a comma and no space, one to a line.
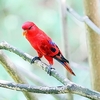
(44,46)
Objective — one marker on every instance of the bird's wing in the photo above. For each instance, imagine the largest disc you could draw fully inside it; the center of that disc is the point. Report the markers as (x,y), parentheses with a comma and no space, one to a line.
(47,47)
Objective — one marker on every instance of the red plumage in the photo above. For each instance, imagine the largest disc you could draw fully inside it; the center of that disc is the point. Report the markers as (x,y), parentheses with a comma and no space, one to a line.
(44,45)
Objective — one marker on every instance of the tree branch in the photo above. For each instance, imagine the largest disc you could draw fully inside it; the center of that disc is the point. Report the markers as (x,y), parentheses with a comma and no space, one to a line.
(85,19)
(69,86)
(51,90)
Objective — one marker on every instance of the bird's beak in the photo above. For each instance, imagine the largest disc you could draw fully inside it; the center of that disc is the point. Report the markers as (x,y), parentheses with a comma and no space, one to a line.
(24,33)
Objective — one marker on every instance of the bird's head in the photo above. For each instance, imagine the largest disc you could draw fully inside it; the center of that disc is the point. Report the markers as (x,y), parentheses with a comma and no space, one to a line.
(29,28)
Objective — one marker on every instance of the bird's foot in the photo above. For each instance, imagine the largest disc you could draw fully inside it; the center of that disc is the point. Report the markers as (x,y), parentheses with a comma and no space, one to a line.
(49,69)
(35,58)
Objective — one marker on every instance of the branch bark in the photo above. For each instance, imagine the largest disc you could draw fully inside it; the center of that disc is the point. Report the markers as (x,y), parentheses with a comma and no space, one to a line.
(72,88)
(69,87)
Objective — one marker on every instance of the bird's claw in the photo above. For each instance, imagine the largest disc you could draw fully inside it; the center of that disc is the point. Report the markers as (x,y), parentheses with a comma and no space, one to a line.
(35,58)
(49,70)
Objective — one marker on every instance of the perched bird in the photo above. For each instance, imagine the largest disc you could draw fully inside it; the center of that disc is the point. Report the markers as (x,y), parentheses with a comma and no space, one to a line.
(44,46)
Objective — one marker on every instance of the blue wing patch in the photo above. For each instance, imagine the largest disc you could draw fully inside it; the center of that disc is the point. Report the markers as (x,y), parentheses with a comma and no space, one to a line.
(53,49)
(52,43)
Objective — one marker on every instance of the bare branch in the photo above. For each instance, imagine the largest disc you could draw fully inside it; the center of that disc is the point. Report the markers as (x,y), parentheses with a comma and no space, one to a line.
(36,80)
(83,19)
(72,88)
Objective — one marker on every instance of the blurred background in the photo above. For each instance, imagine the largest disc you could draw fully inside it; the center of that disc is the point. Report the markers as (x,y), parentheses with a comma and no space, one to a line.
(46,14)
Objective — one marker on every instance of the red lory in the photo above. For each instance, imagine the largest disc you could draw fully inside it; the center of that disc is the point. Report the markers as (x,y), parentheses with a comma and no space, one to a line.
(44,46)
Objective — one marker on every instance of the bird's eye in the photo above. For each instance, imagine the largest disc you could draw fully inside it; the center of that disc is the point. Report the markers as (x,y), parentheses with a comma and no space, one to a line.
(30,27)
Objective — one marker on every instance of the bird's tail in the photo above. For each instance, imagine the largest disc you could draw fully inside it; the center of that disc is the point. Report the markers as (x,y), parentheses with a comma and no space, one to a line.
(66,65)
(64,62)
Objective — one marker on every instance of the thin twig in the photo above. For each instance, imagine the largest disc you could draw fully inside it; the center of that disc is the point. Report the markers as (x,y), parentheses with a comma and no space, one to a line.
(83,19)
